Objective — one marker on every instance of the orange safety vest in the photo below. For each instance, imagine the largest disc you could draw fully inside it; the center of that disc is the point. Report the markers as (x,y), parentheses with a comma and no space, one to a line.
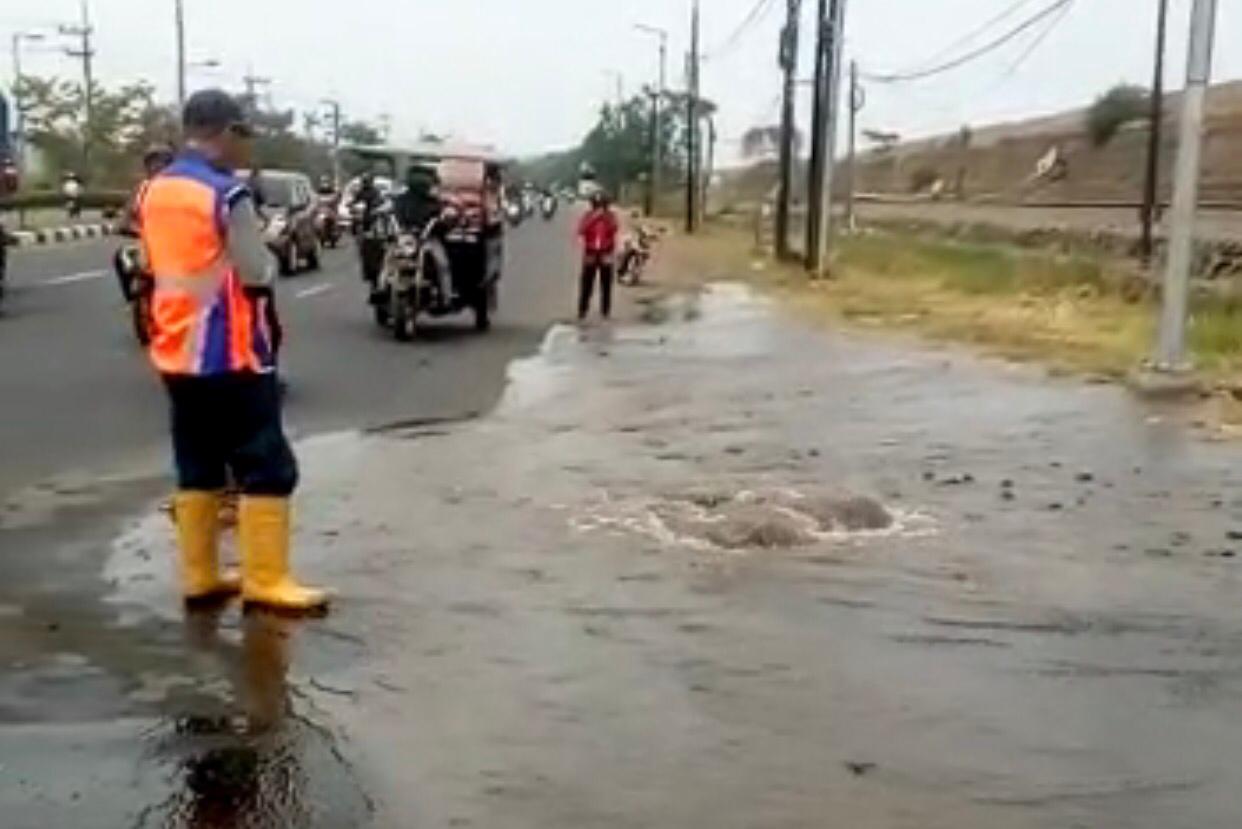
(202,321)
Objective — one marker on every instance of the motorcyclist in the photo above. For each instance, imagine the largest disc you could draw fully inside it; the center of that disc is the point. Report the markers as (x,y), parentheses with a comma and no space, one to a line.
(326,186)
(154,160)
(419,202)
(365,207)
(71,189)
(415,208)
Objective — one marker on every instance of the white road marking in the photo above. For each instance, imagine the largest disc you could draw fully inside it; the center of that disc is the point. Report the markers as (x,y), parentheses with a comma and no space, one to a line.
(309,292)
(69,279)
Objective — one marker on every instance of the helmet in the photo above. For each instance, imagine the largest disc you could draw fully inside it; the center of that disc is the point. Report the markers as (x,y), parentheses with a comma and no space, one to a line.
(157,157)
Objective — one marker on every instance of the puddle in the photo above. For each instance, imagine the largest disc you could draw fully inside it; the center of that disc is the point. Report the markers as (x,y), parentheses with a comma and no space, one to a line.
(711,518)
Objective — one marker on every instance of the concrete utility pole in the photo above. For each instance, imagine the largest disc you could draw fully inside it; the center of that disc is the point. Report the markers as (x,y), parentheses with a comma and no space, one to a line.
(335,107)
(1151,185)
(86,54)
(827,88)
(709,167)
(692,124)
(252,83)
(789,66)
(19,108)
(657,111)
(180,24)
(858,100)
(1171,355)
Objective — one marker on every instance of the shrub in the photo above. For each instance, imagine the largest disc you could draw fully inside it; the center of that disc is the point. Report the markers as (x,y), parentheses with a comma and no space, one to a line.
(1114,109)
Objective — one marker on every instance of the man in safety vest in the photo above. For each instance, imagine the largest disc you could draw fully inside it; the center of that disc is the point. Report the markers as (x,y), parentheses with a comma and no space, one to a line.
(212,343)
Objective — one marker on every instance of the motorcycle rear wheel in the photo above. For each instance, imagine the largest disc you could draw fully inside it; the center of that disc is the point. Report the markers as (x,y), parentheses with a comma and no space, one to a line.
(403,317)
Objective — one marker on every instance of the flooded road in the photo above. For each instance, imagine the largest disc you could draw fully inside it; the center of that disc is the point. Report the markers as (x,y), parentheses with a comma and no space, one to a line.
(712,569)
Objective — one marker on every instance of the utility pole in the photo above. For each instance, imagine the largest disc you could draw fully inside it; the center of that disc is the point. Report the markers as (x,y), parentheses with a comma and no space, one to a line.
(858,99)
(827,83)
(1151,185)
(789,66)
(335,106)
(692,124)
(86,54)
(1171,355)
(709,168)
(657,127)
(252,83)
(19,108)
(836,36)
(180,23)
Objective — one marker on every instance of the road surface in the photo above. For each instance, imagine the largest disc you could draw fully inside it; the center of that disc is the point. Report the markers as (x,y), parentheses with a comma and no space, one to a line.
(714,568)
(79,399)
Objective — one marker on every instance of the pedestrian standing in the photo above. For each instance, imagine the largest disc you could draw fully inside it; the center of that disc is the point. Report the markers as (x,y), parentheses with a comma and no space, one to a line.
(598,232)
(214,345)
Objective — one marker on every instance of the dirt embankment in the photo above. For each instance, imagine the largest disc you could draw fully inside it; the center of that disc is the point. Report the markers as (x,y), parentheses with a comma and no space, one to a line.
(1000,161)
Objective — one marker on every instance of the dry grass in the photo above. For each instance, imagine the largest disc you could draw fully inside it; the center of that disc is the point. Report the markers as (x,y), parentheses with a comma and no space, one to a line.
(1065,311)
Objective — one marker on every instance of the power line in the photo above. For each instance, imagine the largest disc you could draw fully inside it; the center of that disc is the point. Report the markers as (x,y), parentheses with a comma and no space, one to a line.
(1038,41)
(974,54)
(1006,13)
(754,16)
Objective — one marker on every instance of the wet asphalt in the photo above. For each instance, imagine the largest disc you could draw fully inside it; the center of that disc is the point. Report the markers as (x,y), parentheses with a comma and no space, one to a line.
(78,397)
(708,568)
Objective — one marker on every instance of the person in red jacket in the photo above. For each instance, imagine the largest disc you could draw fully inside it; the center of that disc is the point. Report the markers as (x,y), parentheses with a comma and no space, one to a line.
(598,231)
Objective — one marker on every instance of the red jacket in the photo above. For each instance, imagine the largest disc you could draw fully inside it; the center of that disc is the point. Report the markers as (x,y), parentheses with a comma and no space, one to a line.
(598,230)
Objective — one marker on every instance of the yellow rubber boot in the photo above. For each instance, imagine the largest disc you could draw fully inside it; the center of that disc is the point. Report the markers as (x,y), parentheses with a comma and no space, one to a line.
(197,517)
(263,530)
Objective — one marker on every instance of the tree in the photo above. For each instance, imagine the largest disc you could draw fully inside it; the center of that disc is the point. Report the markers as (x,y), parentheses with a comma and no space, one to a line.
(125,121)
(1114,109)
(360,132)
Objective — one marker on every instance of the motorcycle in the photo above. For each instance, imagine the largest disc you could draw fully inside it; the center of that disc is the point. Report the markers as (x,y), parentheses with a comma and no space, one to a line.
(514,212)
(136,286)
(547,206)
(327,224)
(373,232)
(417,276)
(635,254)
(4,259)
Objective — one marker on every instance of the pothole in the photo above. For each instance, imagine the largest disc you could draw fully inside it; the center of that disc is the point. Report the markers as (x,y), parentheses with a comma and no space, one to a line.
(724,518)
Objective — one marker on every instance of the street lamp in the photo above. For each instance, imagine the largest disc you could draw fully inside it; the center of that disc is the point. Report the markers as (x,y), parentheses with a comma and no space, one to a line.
(19,140)
(657,139)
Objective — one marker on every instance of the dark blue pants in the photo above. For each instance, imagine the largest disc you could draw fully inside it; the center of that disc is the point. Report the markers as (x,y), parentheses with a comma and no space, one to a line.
(227,428)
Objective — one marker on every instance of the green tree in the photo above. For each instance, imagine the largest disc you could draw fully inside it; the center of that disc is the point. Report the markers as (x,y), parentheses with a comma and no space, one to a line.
(124,122)
(1115,108)
(360,132)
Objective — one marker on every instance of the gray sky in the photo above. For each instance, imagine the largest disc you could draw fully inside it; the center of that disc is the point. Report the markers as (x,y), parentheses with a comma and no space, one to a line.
(529,75)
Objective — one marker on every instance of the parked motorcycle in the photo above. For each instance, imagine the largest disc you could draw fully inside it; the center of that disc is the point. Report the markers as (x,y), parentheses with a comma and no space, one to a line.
(635,254)
(136,286)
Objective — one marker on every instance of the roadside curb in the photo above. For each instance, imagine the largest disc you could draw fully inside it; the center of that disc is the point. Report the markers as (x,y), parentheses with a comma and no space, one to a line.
(56,235)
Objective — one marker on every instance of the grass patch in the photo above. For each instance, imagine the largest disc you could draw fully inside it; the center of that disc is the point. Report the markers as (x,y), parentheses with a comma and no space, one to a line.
(1068,311)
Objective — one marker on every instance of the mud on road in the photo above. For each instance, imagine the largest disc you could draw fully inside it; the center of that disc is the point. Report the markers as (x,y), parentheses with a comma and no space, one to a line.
(714,569)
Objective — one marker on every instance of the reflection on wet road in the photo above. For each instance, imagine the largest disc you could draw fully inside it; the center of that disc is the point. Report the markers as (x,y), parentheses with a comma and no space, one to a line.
(710,570)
